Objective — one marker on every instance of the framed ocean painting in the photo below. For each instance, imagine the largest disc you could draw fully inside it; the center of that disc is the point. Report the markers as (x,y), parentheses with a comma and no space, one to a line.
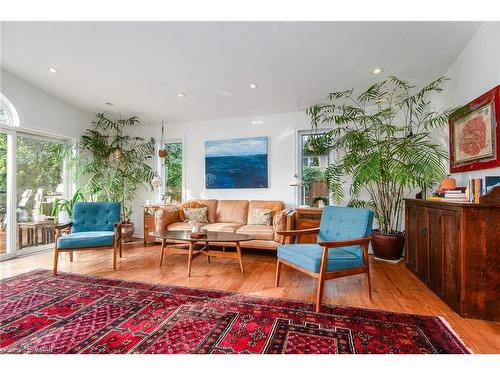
(236,163)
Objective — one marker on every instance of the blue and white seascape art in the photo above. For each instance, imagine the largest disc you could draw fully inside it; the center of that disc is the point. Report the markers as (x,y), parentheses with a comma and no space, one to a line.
(236,163)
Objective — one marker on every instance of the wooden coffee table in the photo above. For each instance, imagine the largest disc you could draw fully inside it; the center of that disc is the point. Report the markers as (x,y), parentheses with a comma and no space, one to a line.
(187,245)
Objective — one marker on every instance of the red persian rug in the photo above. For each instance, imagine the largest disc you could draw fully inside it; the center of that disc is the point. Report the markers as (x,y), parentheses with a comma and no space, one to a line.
(70,313)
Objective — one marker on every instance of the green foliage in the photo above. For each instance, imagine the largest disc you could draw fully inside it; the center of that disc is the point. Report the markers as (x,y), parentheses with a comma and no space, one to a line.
(173,171)
(39,164)
(384,135)
(112,163)
(67,204)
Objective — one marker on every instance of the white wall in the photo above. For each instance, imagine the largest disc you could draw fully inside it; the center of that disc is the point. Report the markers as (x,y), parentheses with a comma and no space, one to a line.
(281,130)
(475,71)
(42,112)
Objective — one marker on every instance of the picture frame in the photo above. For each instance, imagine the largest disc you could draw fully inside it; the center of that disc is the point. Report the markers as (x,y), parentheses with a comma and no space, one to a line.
(475,134)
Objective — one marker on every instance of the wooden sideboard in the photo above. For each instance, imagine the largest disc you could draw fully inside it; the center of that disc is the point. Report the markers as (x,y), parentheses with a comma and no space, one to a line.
(454,248)
(307,218)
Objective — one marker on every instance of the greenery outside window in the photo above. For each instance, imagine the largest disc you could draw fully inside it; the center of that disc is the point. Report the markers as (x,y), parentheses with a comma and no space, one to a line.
(312,168)
(173,168)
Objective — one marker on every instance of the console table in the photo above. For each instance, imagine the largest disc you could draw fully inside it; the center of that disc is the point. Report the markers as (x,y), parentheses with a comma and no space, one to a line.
(307,218)
(454,248)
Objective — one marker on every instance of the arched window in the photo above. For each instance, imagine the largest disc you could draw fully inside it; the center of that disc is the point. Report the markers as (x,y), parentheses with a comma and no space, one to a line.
(8,113)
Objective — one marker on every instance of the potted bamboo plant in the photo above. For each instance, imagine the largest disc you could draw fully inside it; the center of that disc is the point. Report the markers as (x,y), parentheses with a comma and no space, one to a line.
(383,139)
(114,164)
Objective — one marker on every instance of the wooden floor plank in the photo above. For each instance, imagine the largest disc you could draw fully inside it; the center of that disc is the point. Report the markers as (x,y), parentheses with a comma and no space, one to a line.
(394,287)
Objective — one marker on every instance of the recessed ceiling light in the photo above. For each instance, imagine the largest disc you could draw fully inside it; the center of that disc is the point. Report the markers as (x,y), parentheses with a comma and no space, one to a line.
(109,103)
(378,70)
(52,70)
(181,95)
(253,85)
(257,122)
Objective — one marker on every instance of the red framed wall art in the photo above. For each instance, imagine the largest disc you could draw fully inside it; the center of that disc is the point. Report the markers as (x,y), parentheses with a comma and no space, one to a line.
(475,134)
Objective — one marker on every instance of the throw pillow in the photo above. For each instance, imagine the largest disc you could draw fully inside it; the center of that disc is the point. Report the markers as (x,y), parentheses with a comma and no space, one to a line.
(259,216)
(189,204)
(198,215)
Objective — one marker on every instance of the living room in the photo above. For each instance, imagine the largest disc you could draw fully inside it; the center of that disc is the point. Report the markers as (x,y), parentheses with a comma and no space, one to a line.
(284,186)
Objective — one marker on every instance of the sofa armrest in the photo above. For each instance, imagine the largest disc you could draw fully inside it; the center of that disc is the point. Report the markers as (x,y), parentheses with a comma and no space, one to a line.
(166,215)
(282,221)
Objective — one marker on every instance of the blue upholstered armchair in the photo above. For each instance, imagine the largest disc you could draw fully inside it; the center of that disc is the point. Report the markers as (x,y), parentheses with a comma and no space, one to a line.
(342,248)
(95,225)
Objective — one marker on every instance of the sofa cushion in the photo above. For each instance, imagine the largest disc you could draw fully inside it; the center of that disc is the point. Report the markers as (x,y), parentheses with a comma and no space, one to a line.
(308,256)
(86,239)
(274,206)
(259,232)
(232,211)
(223,227)
(179,226)
(211,205)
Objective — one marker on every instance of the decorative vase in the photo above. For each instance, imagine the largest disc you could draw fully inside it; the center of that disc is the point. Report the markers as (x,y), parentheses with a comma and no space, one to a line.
(128,230)
(387,246)
(63,217)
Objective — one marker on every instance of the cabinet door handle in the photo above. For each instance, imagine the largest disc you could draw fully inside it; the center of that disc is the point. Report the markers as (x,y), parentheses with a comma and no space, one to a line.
(424,232)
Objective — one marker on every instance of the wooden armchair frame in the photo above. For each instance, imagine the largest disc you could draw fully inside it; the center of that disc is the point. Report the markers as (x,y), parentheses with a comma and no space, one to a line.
(64,228)
(323,275)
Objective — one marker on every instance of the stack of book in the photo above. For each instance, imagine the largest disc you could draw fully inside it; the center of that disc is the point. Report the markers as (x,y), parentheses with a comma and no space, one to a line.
(475,188)
(458,195)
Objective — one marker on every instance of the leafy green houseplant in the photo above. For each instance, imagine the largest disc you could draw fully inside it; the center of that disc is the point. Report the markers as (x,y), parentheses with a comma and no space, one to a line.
(66,205)
(383,139)
(114,164)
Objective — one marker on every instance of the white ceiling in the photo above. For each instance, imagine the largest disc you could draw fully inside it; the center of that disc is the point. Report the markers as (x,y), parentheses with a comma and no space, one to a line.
(142,66)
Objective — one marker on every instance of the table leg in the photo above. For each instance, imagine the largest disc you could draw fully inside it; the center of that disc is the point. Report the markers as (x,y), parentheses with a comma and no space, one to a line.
(238,249)
(208,256)
(190,257)
(20,234)
(162,250)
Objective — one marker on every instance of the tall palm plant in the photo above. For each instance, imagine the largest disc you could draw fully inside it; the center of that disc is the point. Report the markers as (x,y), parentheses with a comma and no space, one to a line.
(114,163)
(383,138)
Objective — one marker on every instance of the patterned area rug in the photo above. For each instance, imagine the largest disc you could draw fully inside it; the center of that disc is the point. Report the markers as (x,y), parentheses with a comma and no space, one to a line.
(70,313)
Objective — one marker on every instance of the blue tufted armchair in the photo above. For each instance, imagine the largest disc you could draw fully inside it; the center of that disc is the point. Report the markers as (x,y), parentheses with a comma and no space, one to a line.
(342,248)
(95,225)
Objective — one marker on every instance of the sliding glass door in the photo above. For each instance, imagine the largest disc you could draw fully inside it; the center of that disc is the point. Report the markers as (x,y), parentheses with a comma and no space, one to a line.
(3,195)
(39,182)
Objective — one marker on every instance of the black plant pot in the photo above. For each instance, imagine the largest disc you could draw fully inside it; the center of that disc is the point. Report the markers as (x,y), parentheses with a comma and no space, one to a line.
(388,246)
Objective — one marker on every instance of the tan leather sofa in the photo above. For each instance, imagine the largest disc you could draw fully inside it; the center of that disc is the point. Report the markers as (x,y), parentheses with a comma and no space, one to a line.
(232,216)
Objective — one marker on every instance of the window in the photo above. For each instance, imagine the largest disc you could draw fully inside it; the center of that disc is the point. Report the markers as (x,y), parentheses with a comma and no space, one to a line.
(312,173)
(173,173)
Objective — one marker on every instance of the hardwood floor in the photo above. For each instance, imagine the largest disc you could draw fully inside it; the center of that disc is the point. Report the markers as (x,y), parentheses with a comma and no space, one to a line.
(394,287)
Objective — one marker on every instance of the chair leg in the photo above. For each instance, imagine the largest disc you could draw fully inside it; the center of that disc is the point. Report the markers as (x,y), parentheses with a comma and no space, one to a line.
(56,259)
(115,251)
(162,251)
(71,256)
(121,247)
(367,274)
(278,273)
(321,279)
